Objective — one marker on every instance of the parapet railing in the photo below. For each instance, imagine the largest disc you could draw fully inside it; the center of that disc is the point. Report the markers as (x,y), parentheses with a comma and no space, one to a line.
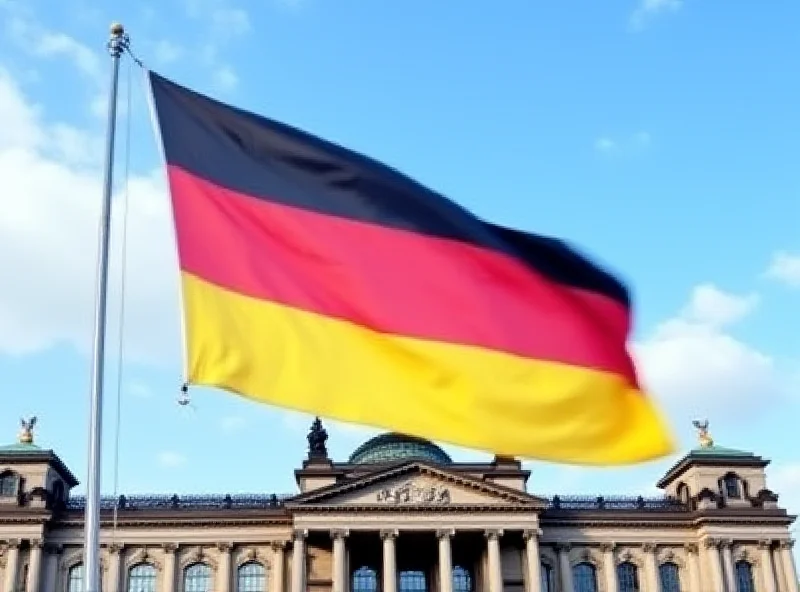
(271,501)
(616,503)
(183,502)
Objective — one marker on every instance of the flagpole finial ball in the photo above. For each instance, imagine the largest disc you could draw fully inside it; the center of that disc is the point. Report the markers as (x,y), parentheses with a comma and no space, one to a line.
(117,30)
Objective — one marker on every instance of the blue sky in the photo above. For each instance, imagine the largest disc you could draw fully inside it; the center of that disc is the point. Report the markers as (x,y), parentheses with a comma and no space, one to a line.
(659,135)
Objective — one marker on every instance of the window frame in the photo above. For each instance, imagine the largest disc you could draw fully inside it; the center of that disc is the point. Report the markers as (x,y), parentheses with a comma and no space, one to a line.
(262,575)
(130,575)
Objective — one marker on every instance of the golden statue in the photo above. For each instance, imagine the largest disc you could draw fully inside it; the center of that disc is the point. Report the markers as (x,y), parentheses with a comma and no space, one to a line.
(26,433)
(706,441)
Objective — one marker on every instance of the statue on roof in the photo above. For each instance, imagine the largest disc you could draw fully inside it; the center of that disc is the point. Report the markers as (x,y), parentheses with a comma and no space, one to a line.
(317,437)
(706,441)
(26,433)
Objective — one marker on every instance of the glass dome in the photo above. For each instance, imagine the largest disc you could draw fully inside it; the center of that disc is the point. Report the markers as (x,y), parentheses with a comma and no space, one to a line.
(389,448)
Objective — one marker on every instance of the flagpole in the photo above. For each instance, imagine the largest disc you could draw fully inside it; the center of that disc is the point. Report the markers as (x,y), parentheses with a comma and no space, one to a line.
(117,44)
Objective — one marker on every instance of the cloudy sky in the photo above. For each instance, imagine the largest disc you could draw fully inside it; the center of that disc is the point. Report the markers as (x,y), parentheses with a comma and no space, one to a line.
(660,135)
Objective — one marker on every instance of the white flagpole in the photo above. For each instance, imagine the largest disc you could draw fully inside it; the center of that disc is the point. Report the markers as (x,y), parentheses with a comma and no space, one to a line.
(117,44)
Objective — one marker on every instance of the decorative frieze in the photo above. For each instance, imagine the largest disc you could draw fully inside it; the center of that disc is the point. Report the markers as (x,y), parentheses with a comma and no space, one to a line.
(411,493)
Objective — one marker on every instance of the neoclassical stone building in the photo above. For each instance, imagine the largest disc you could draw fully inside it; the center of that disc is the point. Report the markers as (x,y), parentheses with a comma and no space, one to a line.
(400,516)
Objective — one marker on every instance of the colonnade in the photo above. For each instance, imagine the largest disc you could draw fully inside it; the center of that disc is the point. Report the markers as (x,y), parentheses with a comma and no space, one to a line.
(776,567)
(389,572)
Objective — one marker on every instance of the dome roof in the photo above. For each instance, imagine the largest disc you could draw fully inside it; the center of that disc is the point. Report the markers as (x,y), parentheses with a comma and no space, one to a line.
(394,447)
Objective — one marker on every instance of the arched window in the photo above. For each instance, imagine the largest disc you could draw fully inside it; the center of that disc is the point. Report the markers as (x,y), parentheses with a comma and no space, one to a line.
(627,577)
(670,577)
(251,577)
(9,482)
(75,578)
(142,578)
(197,578)
(462,581)
(413,581)
(744,577)
(365,580)
(683,493)
(548,578)
(732,488)
(584,577)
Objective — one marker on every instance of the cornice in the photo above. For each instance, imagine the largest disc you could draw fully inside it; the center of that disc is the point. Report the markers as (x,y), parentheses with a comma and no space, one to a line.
(413,508)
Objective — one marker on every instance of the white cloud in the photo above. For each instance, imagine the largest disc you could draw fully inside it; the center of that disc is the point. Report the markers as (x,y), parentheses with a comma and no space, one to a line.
(49,210)
(40,42)
(647,10)
(635,142)
(170,459)
(711,306)
(785,268)
(699,368)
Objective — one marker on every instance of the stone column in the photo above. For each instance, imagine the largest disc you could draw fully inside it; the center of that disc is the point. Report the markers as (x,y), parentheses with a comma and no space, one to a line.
(564,567)
(224,569)
(35,566)
(727,562)
(789,567)
(170,549)
(609,566)
(277,566)
(445,560)
(495,566)
(651,567)
(12,564)
(534,561)
(51,566)
(714,563)
(767,569)
(693,566)
(299,561)
(115,552)
(389,561)
(339,565)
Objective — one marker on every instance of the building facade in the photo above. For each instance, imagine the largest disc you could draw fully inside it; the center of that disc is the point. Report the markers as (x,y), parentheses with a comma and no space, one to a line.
(400,516)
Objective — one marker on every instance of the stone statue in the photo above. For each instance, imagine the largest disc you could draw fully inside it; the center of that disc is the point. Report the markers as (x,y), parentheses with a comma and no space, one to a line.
(317,437)
(26,433)
(706,441)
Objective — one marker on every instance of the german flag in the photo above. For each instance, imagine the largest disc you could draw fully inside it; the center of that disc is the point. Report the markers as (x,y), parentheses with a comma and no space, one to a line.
(317,279)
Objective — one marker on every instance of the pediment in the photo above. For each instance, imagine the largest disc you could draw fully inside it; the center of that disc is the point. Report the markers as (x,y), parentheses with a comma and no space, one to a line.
(415,484)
